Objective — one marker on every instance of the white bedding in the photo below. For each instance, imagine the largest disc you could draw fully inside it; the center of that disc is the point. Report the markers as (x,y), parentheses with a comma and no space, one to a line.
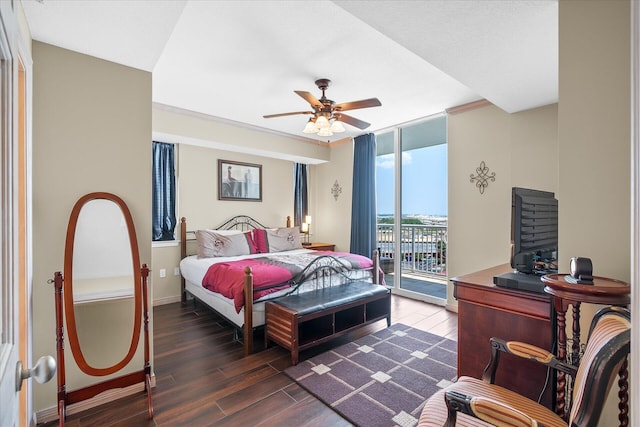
(194,269)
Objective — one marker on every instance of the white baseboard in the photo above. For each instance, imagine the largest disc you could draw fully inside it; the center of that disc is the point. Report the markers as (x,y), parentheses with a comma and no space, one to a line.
(166,300)
(452,307)
(51,414)
(419,297)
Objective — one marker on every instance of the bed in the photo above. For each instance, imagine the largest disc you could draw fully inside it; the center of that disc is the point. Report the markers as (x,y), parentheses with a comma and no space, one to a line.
(259,264)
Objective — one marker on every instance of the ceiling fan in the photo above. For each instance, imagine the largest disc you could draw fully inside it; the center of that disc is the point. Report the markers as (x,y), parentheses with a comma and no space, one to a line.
(327,116)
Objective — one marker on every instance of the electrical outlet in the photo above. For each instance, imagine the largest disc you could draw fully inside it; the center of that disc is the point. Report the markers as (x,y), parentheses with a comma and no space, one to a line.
(163,272)
(176,271)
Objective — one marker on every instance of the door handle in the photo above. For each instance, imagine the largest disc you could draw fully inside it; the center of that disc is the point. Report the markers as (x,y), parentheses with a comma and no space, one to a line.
(42,372)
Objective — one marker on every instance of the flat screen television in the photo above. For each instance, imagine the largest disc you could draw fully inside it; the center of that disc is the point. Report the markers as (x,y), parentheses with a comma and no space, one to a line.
(534,231)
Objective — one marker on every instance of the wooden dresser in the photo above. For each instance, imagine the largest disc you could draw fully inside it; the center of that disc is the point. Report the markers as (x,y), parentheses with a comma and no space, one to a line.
(486,310)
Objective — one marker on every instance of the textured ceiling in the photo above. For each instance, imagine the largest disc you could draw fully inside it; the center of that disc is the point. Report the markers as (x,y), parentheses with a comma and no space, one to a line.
(240,60)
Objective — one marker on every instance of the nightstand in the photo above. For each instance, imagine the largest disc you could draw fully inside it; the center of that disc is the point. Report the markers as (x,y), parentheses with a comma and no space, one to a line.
(318,246)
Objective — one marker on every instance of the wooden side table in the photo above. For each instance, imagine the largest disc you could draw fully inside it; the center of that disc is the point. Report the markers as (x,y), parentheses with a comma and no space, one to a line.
(603,291)
(319,246)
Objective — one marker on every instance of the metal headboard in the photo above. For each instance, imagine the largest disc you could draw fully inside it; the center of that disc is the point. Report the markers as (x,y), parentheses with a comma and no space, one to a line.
(240,222)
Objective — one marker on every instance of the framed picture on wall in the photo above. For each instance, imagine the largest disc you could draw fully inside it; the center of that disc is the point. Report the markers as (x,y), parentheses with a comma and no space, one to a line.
(239,181)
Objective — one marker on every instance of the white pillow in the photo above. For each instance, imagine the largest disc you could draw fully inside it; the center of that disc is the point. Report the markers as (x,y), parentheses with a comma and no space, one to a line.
(214,244)
(283,239)
(226,232)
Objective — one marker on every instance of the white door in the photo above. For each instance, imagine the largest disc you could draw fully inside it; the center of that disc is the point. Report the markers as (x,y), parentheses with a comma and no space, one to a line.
(9,307)
(15,407)
(9,345)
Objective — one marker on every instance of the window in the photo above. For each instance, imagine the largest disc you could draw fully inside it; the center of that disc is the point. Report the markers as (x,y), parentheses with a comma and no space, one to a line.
(411,184)
(163,191)
(300,196)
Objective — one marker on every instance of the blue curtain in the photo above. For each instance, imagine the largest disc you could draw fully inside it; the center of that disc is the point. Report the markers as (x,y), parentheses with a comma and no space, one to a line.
(300,197)
(163,191)
(363,207)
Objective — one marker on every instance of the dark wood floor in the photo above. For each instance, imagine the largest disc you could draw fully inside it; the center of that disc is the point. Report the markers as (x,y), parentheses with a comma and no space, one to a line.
(203,378)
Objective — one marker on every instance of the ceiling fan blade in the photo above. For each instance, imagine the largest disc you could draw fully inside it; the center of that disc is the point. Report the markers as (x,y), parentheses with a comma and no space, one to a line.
(269,116)
(365,103)
(312,100)
(360,124)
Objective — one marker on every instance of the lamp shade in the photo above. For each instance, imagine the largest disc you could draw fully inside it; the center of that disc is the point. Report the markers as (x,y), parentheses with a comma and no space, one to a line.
(336,127)
(310,127)
(322,122)
(325,132)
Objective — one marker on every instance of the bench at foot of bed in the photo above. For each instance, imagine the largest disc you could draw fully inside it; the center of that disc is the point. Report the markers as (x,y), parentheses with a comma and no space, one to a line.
(300,321)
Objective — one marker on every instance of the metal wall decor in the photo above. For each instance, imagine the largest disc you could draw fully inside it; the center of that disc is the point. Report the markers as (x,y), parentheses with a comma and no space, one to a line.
(483,176)
(336,190)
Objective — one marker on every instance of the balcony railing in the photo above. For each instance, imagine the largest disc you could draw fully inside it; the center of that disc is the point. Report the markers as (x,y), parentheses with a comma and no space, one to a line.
(423,248)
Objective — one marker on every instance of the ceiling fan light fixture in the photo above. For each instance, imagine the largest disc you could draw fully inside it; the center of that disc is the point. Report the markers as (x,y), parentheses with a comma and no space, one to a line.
(310,127)
(336,127)
(327,117)
(325,132)
(322,122)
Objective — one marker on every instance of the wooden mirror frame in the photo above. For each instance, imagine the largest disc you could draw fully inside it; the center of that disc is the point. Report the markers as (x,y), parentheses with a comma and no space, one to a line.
(68,296)
(65,308)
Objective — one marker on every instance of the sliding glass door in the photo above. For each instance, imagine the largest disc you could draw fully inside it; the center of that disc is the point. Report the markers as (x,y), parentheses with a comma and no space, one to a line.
(412,208)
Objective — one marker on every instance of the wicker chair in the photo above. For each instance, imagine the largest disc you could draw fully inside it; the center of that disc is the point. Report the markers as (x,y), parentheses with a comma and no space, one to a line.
(474,402)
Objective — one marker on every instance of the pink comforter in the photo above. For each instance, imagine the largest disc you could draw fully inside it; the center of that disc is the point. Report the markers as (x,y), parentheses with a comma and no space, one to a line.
(227,278)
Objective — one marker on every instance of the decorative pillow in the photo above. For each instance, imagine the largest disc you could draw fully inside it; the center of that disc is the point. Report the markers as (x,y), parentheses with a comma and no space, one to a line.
(282,239)
(226,232)
(260,240)
(214,244)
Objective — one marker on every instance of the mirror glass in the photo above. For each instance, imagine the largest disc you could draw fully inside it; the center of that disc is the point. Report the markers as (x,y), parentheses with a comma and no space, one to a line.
(102,266)
(101,284)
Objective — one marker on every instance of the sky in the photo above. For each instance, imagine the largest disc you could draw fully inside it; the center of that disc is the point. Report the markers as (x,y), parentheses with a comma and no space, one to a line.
(424,180)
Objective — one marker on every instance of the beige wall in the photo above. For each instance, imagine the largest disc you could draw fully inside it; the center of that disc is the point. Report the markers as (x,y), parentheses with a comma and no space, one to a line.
(478,223)
(198,189)
(198,203)
(594,150)
(594,132)
(165,289)
(534,148)
(180,126)
(521,149)
(91,132)
(332,217)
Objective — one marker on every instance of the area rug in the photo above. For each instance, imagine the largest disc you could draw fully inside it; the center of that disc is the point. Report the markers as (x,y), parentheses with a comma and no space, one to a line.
(382,379)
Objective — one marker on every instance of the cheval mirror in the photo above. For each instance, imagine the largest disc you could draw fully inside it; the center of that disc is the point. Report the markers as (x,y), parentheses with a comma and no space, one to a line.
(103,300)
